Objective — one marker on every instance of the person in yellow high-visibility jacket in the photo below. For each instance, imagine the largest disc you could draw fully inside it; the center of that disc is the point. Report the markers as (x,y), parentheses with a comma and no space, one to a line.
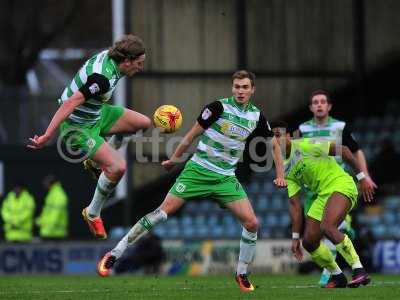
(53,220)
(17,212)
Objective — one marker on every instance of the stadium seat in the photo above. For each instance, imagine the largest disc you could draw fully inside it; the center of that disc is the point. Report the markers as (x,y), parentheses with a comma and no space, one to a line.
(188,232)
(217,232)
(379,231)
(253,187)
(233,231)
(117,232)
(389,217)
(262,204)
(200,220)
(277,203)
(191,206)
(213,220)
(270,220)
(160,230)
(285,220)
(186,221)
(203,231)
(392,202)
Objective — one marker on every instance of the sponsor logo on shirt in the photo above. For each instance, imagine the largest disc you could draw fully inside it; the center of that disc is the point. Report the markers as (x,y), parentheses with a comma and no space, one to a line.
(94,88)
(232,130)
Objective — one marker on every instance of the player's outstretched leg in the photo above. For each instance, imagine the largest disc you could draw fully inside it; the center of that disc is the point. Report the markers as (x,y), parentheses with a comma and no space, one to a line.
(325,275)
(335,211)
(321,254)
(113,169)
(141,228)
(243,211)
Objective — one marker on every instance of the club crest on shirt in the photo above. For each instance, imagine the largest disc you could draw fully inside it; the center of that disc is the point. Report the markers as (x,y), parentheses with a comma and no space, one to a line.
(206,114)
(94,88)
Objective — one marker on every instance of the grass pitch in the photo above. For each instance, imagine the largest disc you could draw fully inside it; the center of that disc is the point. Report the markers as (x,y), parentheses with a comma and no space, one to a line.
(276,287)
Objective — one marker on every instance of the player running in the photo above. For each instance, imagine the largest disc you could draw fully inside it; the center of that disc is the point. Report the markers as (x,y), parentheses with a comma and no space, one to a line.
(224,126)
(309,162)
(323,126)
(85,116)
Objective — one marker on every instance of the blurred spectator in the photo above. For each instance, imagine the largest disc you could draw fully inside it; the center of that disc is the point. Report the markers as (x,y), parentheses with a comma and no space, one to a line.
(147,255)
(53,221)
(17,212)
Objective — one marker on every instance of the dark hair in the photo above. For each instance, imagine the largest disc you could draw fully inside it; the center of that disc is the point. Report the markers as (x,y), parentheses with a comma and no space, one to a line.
(321,92)
(128,47)
(279,124)
(241,74)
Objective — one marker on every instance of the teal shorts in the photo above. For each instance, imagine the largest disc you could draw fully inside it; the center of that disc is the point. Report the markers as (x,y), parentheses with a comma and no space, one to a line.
(197,182)
(344,185)
(89,138)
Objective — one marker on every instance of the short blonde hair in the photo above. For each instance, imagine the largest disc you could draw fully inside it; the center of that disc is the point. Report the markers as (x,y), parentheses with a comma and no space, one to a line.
(129,46)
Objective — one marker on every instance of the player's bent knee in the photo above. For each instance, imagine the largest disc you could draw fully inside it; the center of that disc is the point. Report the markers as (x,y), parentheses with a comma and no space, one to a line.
(118,169)
(309,245)
(252,225)
(328,230)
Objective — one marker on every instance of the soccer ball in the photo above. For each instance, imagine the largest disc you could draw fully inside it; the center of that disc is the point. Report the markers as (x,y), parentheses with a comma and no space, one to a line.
(168,118)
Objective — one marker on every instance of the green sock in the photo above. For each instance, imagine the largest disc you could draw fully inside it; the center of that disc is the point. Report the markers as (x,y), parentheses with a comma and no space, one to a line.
(346,249)
(323,257)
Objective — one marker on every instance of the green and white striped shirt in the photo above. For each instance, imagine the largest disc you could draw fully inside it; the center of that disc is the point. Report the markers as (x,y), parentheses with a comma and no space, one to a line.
(333,130)
(89,112)
(224,140)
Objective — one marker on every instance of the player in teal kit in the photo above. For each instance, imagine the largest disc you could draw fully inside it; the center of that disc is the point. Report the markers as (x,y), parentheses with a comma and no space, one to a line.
(309,163)
(323,126)
(223,126)
(85,118)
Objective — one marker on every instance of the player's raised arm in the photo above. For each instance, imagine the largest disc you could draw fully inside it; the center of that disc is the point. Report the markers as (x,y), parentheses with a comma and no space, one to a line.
(61,114)
(95,85)
(183,146)
(366,184)
(296,215)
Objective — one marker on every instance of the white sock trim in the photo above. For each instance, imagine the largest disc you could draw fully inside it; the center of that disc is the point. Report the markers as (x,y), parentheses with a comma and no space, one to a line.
(249,235)
(241,267)
(337,271)
(357,265)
